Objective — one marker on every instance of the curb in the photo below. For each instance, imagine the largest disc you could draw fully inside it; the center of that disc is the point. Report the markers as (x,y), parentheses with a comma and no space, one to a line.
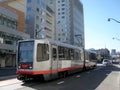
(7,77)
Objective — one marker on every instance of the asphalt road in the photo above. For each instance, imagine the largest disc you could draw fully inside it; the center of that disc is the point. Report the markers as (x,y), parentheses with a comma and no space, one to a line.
(101,78)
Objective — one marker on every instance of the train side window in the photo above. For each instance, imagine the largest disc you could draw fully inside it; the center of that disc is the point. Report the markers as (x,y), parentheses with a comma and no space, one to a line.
(66,50)
(42,52)
(72,54)
(54,53)
(61,53)
(77,55)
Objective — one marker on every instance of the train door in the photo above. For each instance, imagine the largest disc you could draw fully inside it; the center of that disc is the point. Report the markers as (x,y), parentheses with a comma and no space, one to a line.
(54,58)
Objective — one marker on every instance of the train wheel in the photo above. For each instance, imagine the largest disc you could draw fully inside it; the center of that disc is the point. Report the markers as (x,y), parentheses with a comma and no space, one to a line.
(38,78)
(62,74)
(84,68)
(65,74)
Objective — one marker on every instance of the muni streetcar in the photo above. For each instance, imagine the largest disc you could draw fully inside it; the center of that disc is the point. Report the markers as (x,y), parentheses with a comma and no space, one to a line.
(48,59)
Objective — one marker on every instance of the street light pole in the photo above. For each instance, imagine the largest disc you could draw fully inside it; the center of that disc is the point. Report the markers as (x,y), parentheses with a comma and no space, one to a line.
(113,20)
(36,32)
(116,39)
(79,36)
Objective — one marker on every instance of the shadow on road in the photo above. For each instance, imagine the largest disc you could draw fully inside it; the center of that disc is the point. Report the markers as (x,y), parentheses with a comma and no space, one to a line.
(88,80)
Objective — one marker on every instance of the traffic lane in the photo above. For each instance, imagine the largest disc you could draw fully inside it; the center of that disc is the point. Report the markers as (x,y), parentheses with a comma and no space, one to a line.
(88,80)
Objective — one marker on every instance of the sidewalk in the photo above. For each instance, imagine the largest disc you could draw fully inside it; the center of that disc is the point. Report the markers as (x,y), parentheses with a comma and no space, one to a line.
(112,82)
(7,72)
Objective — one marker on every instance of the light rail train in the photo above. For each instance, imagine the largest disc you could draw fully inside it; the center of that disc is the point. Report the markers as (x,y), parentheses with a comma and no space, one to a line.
(49,59)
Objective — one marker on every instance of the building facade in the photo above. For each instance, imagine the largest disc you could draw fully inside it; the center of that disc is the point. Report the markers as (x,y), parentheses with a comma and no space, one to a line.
(17,4)
(70,22)
(10,33)
(103,53)
(20,7)
(40,18)
(61,20)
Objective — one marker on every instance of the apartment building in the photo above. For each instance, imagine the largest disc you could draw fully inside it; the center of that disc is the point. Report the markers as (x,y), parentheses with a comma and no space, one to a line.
(70,22)
(61,20)
(10,32)
(40,19)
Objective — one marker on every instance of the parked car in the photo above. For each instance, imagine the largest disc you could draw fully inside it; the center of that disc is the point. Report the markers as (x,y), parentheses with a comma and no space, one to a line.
(106,62)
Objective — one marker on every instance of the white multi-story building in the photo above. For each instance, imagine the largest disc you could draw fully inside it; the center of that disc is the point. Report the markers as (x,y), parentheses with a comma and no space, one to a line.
(70,22)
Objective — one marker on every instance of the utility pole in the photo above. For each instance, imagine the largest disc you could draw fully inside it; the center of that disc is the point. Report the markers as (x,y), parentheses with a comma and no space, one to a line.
(79,38)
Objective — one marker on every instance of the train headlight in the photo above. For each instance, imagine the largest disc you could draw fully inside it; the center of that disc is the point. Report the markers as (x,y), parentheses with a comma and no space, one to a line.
(19,66)
(30,66)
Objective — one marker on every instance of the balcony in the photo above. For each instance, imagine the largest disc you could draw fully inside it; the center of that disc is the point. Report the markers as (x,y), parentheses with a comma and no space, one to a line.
(48,28)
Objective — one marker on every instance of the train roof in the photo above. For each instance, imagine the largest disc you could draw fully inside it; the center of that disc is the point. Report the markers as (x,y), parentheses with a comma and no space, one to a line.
(54,42)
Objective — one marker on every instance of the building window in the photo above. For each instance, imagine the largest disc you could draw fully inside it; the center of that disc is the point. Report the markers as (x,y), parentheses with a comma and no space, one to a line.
(63,0)
(8,21)
(29,1)
(63,12)
(38,1)
(63,8)
(63,4)
(42,20)
(28,17)
(59,34)
(43,5)
(58,13)
(58,21)
(37,26)
(59,39)
(63,34)
(37,17)
(37,9)
(28,9)
(63,16)
(58,9)
(10,42)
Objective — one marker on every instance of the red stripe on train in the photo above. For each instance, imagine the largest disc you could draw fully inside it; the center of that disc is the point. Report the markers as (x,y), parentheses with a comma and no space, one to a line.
(48,71)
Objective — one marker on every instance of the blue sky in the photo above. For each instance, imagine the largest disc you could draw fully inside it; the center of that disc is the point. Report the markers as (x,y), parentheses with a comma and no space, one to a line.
(98,31)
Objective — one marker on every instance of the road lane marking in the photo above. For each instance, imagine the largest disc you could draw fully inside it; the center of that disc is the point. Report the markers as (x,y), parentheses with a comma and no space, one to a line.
(60,82)
(98,68)
(77,76)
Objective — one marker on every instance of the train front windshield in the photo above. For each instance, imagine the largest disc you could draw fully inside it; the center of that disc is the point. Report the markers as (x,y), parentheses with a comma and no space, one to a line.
(26,51)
